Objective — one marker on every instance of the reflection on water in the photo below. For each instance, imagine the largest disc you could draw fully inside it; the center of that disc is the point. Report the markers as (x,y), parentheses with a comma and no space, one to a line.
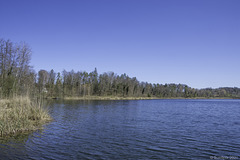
(140,129)
(12,147)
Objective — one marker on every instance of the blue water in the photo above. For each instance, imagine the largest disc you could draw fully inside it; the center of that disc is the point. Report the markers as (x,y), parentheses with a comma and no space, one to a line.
(137,129)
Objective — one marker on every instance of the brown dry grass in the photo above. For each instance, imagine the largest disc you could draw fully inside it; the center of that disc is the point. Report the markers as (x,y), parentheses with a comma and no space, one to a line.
(108,98)
(21,114)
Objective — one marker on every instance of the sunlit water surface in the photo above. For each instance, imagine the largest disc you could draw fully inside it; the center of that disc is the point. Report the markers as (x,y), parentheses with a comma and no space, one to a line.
(138,129)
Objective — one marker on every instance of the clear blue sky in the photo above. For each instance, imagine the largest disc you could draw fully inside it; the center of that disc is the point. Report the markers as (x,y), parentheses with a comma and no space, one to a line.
(194,42)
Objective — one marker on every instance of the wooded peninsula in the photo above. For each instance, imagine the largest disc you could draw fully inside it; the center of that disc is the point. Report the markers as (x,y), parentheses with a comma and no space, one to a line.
(18,78)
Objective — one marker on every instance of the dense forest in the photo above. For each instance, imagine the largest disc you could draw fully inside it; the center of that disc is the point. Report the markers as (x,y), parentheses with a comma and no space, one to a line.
(17,78)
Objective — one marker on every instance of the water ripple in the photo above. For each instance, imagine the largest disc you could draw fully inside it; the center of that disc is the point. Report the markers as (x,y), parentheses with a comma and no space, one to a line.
(157,129)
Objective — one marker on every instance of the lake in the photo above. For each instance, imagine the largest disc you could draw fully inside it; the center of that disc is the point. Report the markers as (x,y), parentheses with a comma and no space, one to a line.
(133,129)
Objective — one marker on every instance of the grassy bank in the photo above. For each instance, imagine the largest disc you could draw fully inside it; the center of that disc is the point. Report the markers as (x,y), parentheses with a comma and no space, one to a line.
(137,98)
(108,98)
(20,115)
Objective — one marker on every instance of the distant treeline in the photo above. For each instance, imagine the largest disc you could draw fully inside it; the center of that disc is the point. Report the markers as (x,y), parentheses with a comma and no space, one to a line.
(18,78)
(78,84)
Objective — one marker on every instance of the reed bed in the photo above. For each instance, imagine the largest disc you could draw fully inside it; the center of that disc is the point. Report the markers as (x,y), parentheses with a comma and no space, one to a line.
(108,98)
(20,115)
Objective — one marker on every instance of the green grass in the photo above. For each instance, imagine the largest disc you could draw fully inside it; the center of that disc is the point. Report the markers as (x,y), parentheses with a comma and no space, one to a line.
(20,115)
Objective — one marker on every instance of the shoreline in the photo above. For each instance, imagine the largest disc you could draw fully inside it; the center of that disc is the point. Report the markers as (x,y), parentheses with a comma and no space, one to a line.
(136,98)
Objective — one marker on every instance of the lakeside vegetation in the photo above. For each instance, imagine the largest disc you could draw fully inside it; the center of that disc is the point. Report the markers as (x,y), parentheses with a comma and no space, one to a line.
(108,98)
(84,85)
(137,98)
(19,112)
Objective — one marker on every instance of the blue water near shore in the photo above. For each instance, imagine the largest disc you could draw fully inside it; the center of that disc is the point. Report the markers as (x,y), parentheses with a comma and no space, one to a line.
(133,129)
